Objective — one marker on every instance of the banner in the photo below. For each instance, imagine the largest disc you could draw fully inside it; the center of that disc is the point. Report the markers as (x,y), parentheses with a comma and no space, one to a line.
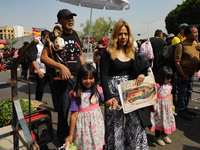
(37,32)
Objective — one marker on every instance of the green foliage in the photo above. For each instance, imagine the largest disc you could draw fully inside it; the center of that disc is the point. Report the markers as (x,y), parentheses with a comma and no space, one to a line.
(99,29)
(188,12)
(11,42)
(6,110)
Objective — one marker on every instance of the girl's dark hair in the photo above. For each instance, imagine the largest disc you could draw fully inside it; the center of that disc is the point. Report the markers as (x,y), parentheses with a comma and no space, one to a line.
(83,72)
(163,73)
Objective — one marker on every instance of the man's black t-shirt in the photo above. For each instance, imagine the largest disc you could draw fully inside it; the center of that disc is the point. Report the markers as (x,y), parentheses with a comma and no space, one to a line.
(157,45)
(72,49)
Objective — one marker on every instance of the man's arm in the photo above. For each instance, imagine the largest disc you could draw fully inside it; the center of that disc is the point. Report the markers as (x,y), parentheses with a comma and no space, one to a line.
(33,57)
(177,58)
(39,72)
(65,72)
(180,70)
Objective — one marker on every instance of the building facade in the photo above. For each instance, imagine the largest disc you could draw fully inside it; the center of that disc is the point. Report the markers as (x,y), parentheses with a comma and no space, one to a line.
(7,33)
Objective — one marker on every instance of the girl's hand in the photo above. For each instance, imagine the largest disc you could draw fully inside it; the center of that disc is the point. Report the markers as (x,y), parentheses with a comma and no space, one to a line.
(69,139)
(139,79)
(111,102)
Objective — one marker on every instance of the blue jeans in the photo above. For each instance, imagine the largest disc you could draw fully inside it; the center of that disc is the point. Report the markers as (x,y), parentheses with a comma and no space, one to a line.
(62,89)
(181,91)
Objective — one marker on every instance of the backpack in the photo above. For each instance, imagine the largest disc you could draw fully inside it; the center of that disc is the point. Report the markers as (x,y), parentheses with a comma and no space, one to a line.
(146,51)
(166,57)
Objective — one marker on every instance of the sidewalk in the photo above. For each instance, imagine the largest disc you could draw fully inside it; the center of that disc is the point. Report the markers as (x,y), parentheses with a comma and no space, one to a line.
(186,137)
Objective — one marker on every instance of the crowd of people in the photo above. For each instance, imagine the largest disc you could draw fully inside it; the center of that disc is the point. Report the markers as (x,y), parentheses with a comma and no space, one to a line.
(7,56)
(120,61)
(75,85)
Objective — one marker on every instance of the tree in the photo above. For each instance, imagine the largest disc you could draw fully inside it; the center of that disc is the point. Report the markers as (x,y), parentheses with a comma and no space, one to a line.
(99,29)
(188,12)
(11,42)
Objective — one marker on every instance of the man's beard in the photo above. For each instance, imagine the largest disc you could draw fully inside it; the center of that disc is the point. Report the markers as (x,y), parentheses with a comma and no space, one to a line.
(69,28)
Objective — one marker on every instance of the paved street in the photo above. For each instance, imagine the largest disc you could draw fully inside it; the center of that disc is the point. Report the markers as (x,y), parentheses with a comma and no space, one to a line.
(186,137)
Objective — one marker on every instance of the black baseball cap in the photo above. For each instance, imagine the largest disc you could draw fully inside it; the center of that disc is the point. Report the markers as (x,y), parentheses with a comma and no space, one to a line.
(63,13)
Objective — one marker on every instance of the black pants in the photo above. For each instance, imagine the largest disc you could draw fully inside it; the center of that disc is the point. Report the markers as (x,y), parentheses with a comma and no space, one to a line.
(62,89)
(25,70)
(41,82)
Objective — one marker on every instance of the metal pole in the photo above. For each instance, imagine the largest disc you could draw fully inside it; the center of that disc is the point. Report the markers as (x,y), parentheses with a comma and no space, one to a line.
(16,110)
(89,29)
(147,26)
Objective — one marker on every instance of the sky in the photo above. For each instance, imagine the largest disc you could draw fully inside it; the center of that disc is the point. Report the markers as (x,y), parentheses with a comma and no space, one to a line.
(144,16)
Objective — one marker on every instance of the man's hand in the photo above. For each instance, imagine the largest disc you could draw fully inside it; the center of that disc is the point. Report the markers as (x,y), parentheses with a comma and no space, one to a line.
(184,79)
(40,74)
(65,73)
(139,79)
(198,47)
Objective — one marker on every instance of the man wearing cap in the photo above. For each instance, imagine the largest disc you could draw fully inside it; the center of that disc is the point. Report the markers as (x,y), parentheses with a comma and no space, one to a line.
(169,38)
(74,58)
(177,39)
(186,58)
(181,36)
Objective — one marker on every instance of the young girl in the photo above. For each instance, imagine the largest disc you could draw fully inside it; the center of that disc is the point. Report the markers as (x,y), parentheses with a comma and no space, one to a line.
(163,122)
(87,125)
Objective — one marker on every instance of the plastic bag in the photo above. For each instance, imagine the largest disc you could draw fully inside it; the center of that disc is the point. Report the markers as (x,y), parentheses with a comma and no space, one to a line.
(67,147)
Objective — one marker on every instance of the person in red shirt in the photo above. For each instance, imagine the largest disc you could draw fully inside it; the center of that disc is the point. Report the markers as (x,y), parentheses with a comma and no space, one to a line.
(104,44)
(2,68)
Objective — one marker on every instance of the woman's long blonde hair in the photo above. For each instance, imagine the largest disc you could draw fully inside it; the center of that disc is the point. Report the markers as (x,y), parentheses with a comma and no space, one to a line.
(113,43)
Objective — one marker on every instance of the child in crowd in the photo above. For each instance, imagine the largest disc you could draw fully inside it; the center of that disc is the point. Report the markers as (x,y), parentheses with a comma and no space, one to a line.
(86,123)
(163,122)
(2,68)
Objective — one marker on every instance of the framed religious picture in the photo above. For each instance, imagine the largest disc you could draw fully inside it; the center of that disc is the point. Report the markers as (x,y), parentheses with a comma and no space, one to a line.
(134,97)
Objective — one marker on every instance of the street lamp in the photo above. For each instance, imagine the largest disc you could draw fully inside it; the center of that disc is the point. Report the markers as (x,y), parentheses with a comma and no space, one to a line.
(148,26)
(22,33)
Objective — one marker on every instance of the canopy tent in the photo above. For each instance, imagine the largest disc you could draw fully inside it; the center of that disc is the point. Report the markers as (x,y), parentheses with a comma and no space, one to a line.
(3,42)
(100,4)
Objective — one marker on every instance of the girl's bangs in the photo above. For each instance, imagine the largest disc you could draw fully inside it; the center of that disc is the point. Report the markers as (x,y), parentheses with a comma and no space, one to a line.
(86,74)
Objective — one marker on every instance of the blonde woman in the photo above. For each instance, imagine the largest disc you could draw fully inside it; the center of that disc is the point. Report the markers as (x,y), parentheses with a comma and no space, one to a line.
(119,62)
